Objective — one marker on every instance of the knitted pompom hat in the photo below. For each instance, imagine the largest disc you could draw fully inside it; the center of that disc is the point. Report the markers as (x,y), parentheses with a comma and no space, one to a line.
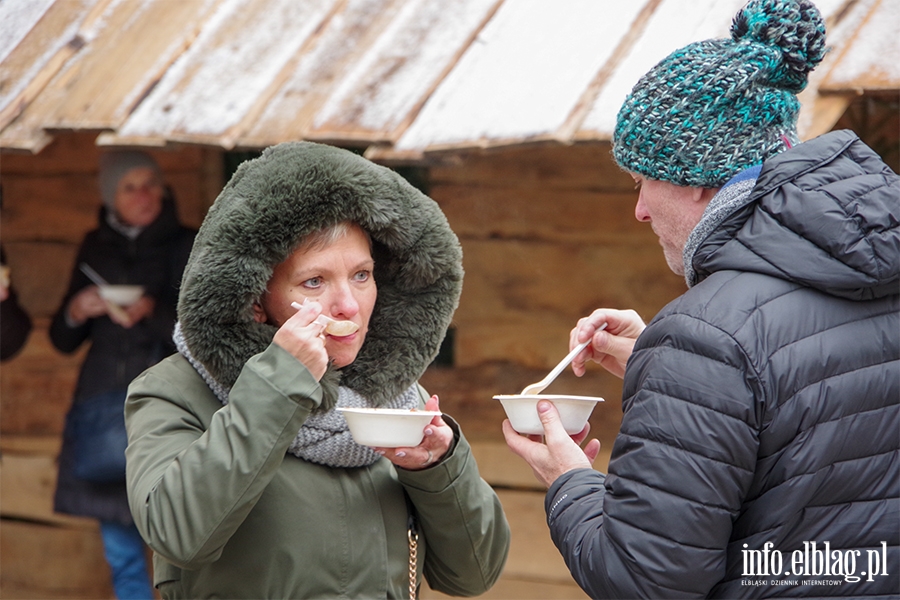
(717,107)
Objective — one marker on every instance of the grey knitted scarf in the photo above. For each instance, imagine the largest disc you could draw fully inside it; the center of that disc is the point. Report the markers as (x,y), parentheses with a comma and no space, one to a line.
(324,438)
(728,199)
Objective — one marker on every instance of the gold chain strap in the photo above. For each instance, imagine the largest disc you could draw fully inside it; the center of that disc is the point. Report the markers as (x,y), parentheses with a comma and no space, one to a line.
(413,537)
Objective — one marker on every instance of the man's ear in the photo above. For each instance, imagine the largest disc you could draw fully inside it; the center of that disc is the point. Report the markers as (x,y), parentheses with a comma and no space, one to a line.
(259,315)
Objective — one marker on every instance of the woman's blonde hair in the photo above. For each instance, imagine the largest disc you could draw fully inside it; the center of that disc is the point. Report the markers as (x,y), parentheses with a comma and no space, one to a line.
(325,237)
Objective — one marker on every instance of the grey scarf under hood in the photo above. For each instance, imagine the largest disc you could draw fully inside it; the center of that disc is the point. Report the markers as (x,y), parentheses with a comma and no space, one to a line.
(274,201)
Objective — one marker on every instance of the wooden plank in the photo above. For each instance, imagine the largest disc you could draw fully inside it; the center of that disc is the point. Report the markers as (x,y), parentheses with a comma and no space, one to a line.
(137,43)
(27,485)
(33,187)
(566,216)
(625,45)
(821,113)
(868,61)
(532,555)
(36,387)
(503,469)
(235,63)
(383,91)
(68,154)
(46,561)
(18,22)
(46,445)
(557,167)
(343,40)
(53,40)
(32,211)
(499,91)
(18,139)
(674,23)
(41,295)
(521,299)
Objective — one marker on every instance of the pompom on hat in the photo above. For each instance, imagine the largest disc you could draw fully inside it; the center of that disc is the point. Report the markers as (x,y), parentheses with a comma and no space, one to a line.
(716,107)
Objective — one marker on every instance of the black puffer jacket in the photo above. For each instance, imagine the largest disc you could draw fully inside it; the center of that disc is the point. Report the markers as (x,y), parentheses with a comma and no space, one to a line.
(763,405)
(155,259)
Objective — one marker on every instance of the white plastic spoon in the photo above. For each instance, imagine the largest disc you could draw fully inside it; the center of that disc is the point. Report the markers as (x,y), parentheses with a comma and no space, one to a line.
(332,326)
(537,388)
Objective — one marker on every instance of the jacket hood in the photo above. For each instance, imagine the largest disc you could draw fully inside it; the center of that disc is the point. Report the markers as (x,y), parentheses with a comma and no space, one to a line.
(269,205)
(823,214)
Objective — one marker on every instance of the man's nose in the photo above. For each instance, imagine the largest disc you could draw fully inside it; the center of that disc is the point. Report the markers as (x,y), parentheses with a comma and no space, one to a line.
(640,210)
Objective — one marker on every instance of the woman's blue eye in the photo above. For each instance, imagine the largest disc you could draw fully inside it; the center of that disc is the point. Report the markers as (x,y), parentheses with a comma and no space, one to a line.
(313,282)
(362,276)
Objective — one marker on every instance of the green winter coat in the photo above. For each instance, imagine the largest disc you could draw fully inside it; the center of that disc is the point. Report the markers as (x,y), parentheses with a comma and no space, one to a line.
(227,510)
(232,516)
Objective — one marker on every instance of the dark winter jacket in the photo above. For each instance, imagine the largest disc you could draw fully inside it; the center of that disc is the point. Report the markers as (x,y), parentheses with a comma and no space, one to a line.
(227,509)
(762,407)
(154,259)
(15,323)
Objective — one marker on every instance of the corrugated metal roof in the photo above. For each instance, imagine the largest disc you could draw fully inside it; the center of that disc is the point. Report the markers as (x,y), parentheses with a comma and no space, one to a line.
(410,78)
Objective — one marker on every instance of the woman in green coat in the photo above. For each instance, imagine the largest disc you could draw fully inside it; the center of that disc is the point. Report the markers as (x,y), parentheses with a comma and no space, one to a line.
(242,476)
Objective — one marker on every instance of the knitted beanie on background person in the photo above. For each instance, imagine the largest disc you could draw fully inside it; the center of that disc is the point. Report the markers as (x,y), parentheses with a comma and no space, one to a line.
(114,165)
(717,107)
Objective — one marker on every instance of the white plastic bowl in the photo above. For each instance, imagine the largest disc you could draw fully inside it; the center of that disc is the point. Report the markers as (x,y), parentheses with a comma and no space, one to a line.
(387,427)
(122,295)
(523,415)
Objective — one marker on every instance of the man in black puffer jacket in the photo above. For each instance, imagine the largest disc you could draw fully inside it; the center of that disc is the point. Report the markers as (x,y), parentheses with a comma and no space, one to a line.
(758,453)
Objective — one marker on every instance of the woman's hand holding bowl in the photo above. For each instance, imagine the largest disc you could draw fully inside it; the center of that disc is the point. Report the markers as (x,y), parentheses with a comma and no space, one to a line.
(435,444)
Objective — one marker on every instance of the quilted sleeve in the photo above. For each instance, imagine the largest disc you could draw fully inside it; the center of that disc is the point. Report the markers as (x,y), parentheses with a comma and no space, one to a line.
(658,524)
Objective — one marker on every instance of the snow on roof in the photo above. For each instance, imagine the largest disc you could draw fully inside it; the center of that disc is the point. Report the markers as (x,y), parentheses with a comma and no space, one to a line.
(524,74)
(30,39)
(219,79)
(16,20)
(872,61)
(409,77)
(401,68)
(674,24)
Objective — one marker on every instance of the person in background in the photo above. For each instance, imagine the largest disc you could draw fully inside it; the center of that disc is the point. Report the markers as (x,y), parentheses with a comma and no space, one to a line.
(242,476)
(761,427)
(139,241)
(15,323)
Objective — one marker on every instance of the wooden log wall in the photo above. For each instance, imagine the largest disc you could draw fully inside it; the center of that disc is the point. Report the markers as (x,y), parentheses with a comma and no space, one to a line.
(49,202)
(548,235)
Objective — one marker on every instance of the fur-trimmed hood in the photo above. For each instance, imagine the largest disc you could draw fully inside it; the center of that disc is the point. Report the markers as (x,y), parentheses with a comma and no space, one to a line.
(269,205)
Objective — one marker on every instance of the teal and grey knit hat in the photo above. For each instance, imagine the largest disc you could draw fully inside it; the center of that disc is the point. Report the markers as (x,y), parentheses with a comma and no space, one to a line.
(717,107)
